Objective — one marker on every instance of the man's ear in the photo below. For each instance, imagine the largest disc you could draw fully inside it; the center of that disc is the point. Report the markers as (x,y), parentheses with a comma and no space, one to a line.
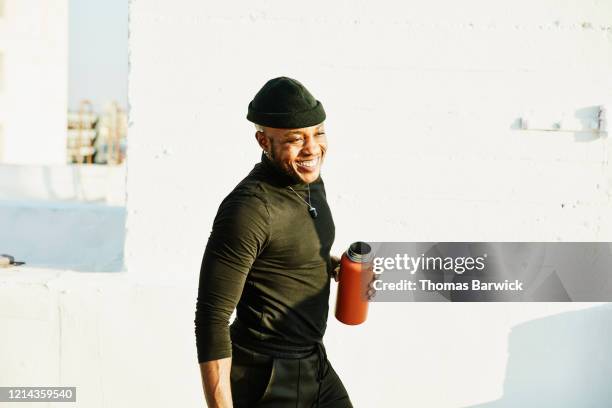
(262,140)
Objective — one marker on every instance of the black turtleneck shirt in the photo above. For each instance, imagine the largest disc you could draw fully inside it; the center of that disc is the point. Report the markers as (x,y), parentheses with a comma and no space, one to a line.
(268,258)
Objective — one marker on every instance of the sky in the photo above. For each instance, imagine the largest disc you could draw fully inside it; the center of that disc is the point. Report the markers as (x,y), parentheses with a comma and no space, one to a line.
(98,52)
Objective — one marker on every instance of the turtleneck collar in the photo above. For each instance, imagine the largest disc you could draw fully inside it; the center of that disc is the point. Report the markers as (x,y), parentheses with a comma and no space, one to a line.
(280,177)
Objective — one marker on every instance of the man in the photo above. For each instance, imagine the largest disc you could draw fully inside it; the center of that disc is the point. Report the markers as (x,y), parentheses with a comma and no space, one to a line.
(268,256)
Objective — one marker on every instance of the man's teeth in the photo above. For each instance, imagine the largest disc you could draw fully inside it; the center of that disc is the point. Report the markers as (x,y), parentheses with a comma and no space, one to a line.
(309,163)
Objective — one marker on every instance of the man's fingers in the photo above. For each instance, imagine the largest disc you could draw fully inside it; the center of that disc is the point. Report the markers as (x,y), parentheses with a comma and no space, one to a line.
(336,273)
(335,267)
(372,291)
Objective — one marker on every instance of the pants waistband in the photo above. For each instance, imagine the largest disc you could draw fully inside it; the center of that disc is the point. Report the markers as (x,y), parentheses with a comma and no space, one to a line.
(276,353)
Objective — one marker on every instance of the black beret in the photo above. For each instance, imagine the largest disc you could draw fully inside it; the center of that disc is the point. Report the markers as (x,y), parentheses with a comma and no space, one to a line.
(285,103)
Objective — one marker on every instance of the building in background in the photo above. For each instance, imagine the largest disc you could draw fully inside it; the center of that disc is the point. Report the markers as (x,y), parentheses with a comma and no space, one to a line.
(97,138)
(33,81)
(110,144)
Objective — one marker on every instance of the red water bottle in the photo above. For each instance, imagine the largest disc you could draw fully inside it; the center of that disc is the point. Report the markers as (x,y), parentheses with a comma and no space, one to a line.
(354,280)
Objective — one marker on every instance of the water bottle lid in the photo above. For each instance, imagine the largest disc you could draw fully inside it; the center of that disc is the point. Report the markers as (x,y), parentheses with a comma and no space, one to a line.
(359,251)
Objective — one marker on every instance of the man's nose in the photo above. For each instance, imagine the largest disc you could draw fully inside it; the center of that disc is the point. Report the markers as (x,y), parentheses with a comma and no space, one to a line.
(310,146)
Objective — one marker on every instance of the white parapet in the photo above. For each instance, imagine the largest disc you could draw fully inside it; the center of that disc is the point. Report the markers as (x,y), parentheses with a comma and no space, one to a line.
(81,183)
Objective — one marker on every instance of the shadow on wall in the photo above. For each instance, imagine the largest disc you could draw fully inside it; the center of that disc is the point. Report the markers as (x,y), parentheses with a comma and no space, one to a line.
(587,117)
(560,361)
(589,123)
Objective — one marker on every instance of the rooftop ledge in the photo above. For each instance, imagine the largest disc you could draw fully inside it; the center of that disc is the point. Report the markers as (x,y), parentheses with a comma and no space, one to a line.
(23,275)
(56,279)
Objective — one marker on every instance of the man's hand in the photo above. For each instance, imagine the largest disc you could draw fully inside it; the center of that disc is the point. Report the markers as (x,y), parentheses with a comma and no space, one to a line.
(335,267)
(371,290)
(216,382)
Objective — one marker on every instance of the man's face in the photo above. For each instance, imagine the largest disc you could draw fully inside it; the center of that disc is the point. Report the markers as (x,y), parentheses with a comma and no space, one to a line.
(297,152)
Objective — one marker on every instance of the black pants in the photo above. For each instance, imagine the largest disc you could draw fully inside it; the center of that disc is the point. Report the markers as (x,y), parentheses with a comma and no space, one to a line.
(262,381)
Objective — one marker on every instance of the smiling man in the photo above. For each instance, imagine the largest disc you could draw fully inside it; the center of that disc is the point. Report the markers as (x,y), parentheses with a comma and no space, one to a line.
(268,257)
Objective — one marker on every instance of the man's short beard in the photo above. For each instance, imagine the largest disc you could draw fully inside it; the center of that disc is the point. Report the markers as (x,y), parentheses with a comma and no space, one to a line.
(279,165)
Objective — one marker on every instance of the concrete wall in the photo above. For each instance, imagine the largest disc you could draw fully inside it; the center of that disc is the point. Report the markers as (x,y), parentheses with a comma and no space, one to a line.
(84,183)
(421,100)
(34,87)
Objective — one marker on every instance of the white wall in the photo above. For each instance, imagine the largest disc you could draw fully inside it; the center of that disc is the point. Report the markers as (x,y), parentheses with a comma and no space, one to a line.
(33,95)
(420,103)
(420,100)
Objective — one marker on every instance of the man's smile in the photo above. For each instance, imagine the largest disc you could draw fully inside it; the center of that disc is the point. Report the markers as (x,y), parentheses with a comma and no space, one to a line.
(308,165)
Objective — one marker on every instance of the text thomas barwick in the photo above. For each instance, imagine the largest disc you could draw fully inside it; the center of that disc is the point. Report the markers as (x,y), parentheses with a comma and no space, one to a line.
(425,284)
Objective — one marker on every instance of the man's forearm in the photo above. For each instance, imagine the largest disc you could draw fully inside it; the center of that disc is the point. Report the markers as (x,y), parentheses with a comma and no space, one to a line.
(216,382)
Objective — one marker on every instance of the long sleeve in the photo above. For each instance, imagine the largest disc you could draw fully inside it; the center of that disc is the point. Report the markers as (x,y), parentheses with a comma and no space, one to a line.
(240,232)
